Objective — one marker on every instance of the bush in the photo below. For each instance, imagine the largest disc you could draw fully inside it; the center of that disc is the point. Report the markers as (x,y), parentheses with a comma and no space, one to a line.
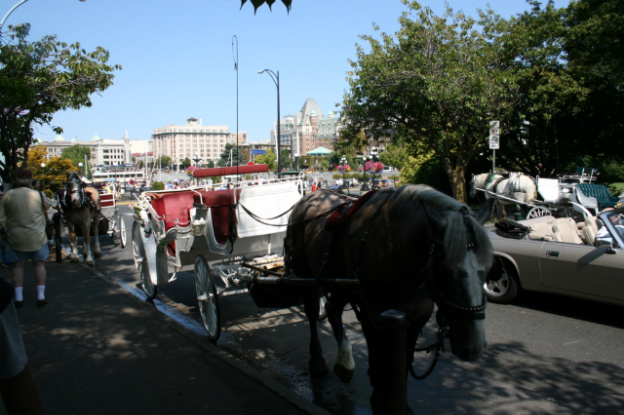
(158,186)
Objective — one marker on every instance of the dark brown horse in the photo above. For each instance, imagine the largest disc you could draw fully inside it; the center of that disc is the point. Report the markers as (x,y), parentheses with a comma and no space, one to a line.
(409,248)
(81,207)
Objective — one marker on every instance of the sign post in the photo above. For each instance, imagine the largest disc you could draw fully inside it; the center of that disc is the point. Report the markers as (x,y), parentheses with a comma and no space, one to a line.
(494,141)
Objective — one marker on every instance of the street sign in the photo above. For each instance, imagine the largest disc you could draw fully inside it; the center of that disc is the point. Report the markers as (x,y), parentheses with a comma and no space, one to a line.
(494,135)
(258,151)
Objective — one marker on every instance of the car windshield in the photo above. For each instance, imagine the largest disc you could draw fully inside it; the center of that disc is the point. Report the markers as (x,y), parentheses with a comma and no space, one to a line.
(616,219)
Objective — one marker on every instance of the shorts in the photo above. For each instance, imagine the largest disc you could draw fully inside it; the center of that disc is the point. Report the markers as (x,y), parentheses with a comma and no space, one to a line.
(18,256)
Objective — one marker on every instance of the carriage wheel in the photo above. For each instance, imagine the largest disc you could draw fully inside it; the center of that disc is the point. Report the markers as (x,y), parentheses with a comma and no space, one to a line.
(122,231)
(140,261)
(538,212)
(207,299)
(58,237)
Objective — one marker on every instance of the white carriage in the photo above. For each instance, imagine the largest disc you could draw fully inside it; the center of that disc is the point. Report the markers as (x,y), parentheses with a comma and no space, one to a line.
(229,234)
(571,195)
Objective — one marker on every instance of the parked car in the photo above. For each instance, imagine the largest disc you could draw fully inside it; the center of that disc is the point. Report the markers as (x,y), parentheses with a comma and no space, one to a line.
(557,255)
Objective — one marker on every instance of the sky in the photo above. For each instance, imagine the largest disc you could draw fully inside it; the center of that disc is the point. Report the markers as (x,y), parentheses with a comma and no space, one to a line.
(178,57)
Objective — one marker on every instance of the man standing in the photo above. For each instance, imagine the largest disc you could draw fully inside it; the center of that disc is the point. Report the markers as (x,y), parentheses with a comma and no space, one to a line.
(23,224)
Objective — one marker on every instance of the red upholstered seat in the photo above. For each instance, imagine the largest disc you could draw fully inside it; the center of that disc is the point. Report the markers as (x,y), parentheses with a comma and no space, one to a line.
(221,204)
(174,207)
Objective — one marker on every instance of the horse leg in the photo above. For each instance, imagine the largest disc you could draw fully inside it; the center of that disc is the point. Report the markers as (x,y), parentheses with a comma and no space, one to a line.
(86,234)
(311,308)
(97,252)
(73,243)
(345,365)
(375,360)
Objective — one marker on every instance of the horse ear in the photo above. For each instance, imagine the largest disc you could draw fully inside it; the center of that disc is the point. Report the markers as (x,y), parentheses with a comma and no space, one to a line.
(485,211)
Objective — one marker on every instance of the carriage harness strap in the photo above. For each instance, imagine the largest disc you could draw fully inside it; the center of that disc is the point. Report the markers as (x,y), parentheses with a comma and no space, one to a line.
(84,200)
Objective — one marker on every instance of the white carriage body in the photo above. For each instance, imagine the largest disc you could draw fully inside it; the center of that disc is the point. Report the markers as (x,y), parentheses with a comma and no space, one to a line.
(225,226)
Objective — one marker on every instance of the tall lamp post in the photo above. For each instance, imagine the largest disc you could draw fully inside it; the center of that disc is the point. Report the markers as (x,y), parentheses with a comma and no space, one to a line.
(344,162)
(12,9)
(80,167)
(43,167)
(374,153)
(275,77)
(197,159)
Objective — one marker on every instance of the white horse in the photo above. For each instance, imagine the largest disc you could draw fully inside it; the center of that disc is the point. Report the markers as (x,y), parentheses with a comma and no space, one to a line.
(518,187)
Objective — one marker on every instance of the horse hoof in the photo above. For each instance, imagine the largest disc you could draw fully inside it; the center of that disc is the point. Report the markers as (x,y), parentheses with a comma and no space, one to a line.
(97,254)
(89,261)
(343,373)
(74,259)
(318,368)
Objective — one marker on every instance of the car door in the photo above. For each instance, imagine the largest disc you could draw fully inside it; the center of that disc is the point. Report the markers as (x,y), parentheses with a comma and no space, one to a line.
(582,269)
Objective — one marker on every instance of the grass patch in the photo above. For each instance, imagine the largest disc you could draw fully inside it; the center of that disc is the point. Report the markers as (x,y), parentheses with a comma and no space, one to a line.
(616,188)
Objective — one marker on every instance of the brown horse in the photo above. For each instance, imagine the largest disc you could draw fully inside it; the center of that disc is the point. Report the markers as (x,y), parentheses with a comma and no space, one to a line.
(81,207)
(409,248)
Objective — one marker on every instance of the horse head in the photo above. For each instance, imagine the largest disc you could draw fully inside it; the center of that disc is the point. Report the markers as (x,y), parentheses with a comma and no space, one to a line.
(457,272)
(74,191)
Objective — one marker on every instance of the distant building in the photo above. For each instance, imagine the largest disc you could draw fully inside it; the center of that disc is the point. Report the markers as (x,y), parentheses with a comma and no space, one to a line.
(308,129)
(193,141)
(106,152)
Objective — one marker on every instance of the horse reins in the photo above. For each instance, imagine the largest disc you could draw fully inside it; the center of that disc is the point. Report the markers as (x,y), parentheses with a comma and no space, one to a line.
(444,306)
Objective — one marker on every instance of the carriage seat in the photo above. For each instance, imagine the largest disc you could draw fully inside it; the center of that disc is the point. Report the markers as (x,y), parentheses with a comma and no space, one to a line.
(173,208)
(223,214)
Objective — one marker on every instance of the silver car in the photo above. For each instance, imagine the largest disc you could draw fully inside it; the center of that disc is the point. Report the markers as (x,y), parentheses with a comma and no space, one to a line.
(557,255)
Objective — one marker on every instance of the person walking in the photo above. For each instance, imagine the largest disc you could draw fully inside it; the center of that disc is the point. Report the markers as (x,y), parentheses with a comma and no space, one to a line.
(23,220)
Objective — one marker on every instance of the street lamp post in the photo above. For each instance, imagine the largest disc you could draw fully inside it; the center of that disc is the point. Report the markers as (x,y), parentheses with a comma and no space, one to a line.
(344,161)
(374,155)
(43,167)
(80,166)
(12,9)
(275,77)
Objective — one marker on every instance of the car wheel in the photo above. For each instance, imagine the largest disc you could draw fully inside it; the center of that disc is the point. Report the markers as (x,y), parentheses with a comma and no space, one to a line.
(504,289)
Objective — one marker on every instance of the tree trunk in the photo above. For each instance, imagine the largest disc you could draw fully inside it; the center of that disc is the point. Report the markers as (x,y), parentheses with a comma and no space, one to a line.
(456,178)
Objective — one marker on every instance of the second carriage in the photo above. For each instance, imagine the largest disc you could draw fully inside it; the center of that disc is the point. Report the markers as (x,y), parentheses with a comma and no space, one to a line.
(229,237)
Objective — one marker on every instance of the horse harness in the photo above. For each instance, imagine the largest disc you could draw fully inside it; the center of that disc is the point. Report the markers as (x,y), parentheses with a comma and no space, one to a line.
(84,199)
(345,211)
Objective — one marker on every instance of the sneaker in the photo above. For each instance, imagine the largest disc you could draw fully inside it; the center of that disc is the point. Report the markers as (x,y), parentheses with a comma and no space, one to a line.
(42,303)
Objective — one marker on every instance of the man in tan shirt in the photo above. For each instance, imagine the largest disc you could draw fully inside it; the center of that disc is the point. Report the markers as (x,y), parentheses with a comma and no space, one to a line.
(23,223)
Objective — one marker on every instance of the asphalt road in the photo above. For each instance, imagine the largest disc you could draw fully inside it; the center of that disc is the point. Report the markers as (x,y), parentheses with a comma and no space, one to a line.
(546,354)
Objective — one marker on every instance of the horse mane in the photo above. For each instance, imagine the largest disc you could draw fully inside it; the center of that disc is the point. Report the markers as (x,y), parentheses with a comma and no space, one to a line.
(443,210)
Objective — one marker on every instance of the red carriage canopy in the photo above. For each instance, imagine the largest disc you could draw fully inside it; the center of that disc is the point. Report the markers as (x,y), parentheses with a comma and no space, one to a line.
(228,171)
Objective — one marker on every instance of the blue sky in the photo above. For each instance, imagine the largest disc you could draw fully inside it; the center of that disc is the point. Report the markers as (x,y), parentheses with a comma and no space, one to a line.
(178,58)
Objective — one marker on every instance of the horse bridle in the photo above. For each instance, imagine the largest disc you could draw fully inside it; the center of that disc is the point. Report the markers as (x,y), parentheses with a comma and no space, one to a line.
(444,307)
(67,194)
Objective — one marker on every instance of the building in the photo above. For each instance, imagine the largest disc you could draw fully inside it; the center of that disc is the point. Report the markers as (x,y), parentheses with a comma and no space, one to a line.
(199,143)
(104,152)
(308,129)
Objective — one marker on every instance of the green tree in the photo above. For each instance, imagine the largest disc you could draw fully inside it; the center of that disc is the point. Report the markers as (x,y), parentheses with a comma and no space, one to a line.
(258,3)
(186,163)
(533,135)
(593,48)
(164,161)
(269,158)
(55,172)
(37,80)
(435,82)
(76,154)
(231,156)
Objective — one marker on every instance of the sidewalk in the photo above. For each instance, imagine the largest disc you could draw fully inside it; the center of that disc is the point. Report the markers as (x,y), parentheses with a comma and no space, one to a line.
(98,350)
